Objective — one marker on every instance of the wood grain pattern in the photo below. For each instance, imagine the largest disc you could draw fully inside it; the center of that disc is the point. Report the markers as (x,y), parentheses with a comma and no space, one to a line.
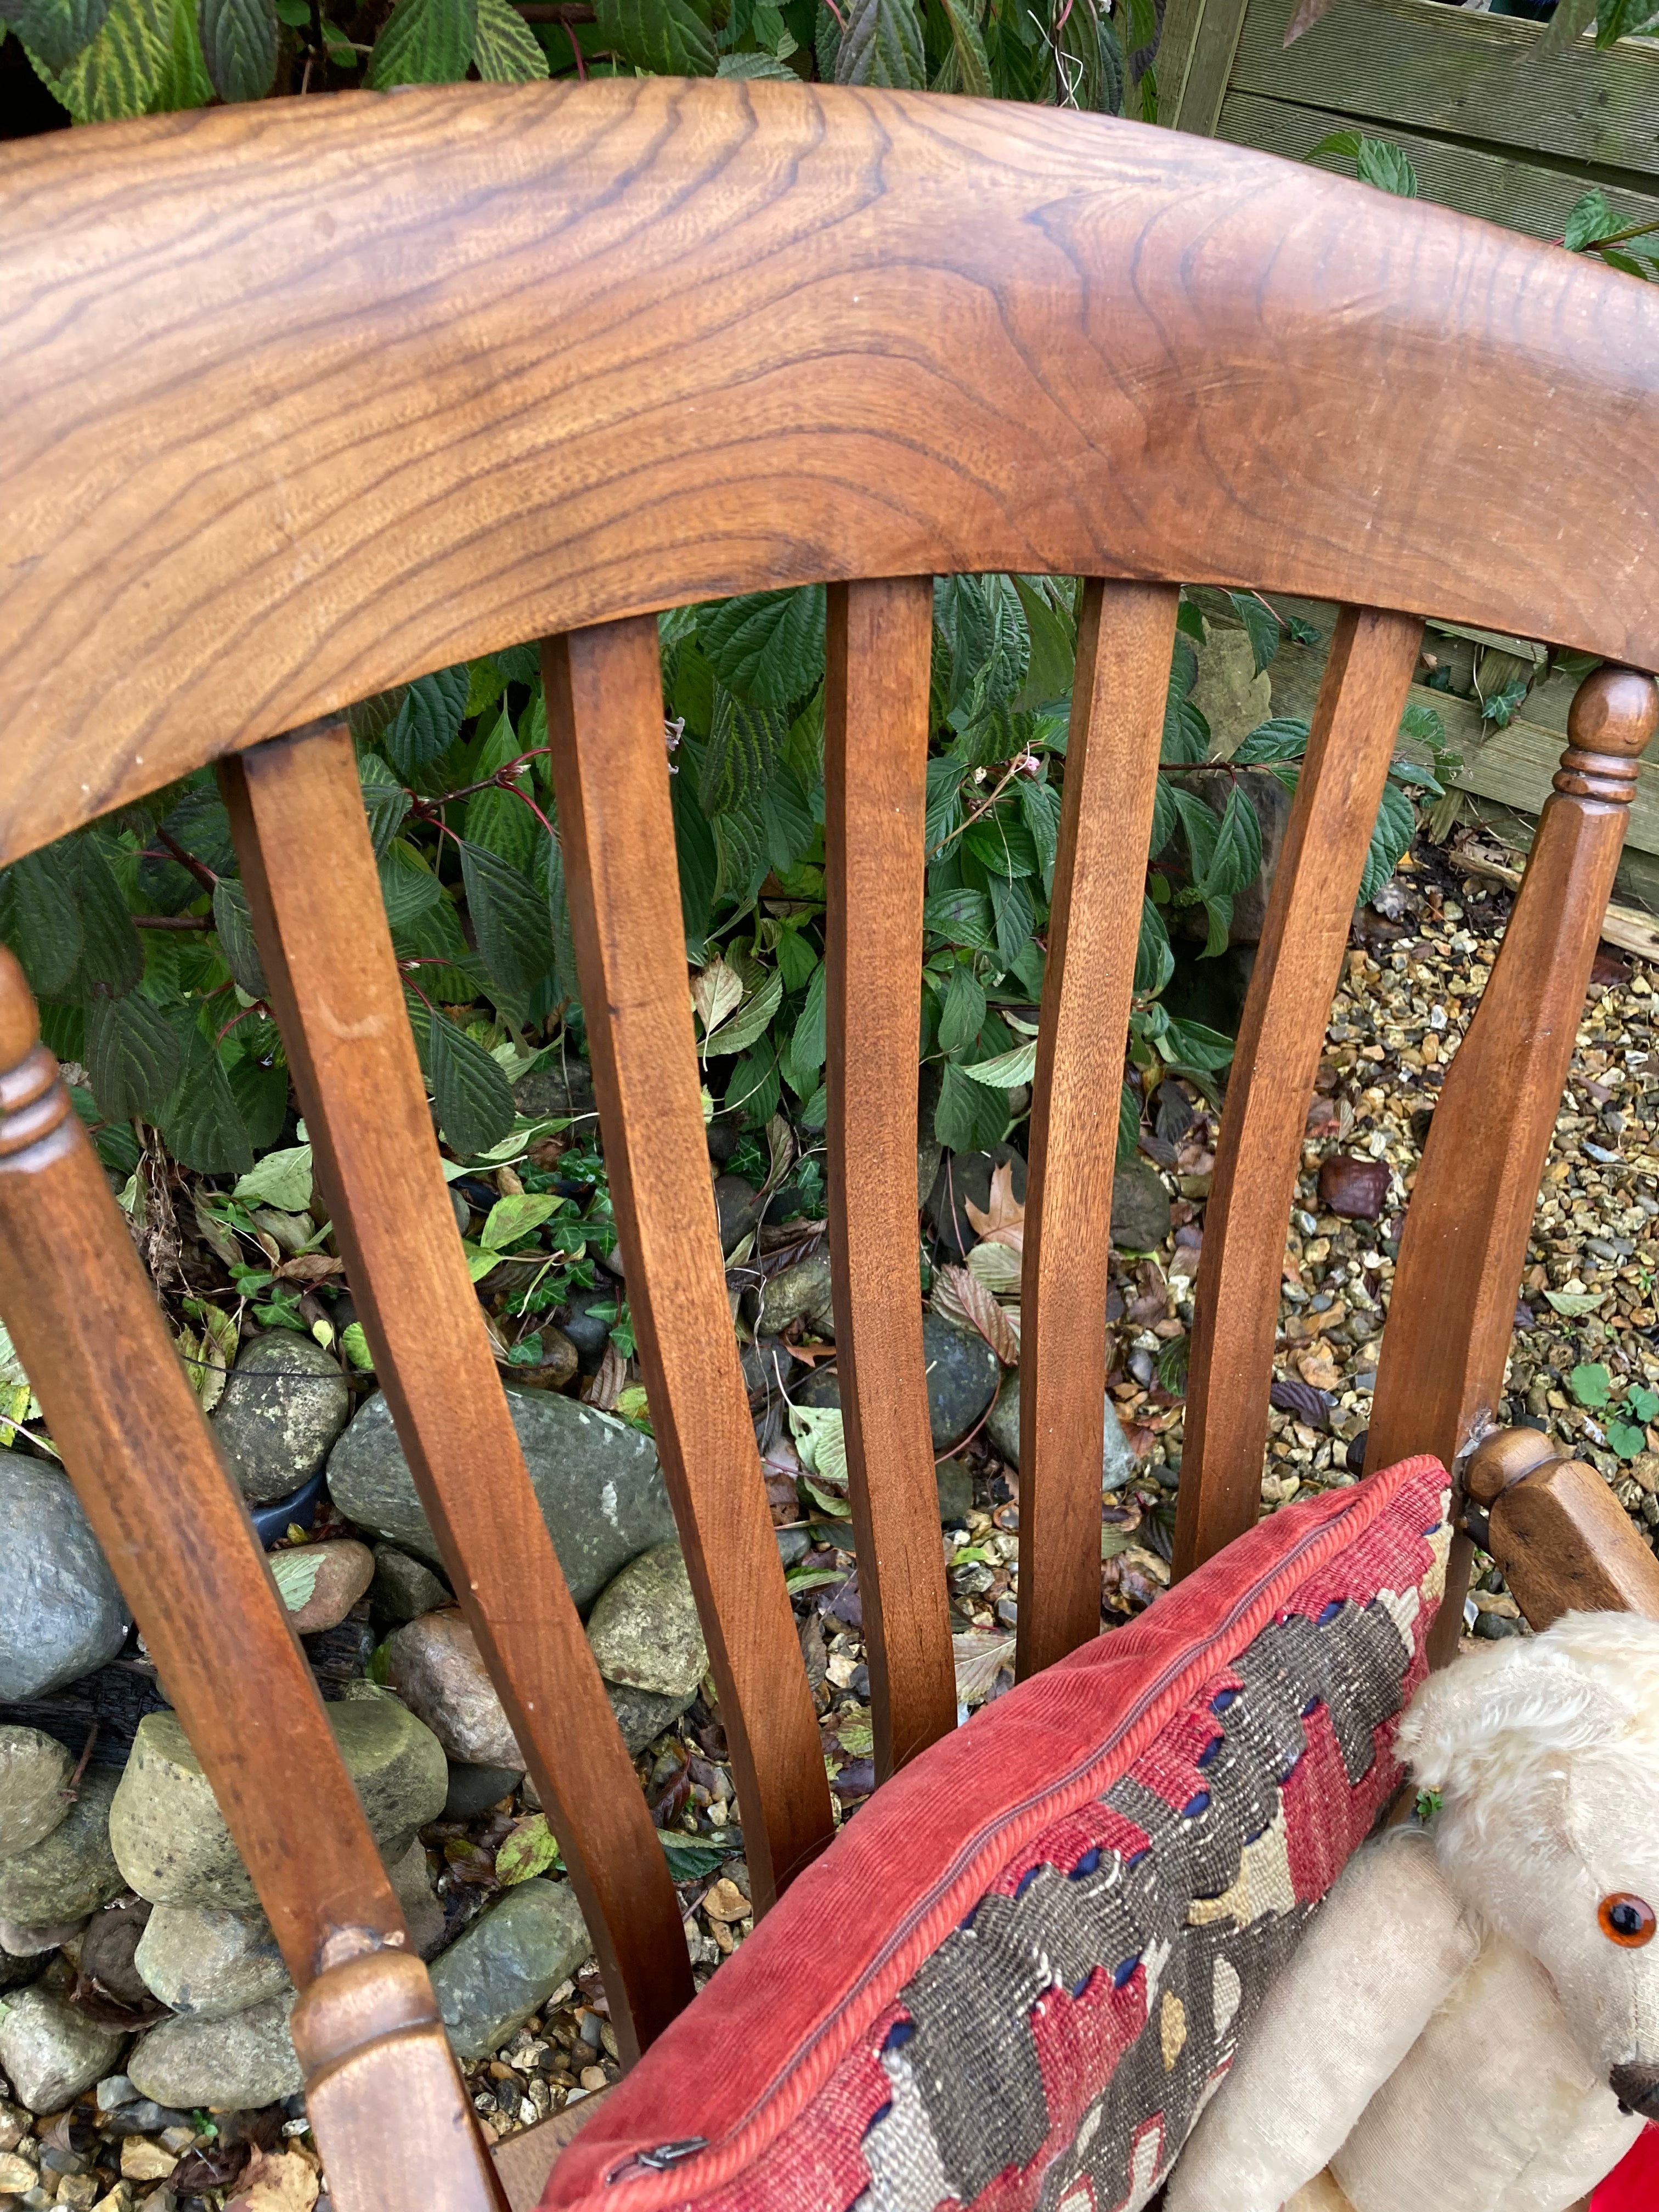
(1566,1545)
(1291,985)
(1125,636)
(338,999)
(1452,1310)
(523,2162)
(880,644)
(172,1523)
(1475,76)
(497,335)
(609,763)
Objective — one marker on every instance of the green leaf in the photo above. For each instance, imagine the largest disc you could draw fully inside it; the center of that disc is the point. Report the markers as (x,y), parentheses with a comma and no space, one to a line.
(739,1031)
(261,1097)
(1345,143)
(511,920)
(1285,738)
(1260,626)
(55,31)
(201,1127)
(1191,1044)
(1385,165)
(1015,916)
(1128,1124)
(1624,1439)
(698,860)
(665,37)
(233,920)
(742,754)
(505,48)
(945,781)
(1592,1385)
(809,1045)
(1575,1303)
(112,958)
(1235,860)
(753,66)
(184,81)
(1039,808)
(883,45)
(790,822)
(280,1179)
(117,74)
(472,1095)
(1002,846)
(46,919)
(768,646)
(962,1015)
(355,1345)
(429,719)
(1590,218)
(1154,960)
(820,1437)
(132,1056)
(972,73)
(294,1573)
(1642,1402)
(528,1849)
(967,1115)
(385,800)
(1395,824)
(408,886)
(239,47)
(514,1216)
(960,917)
(1009,1069)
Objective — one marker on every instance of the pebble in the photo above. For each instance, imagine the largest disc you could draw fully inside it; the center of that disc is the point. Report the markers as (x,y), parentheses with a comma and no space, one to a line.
(555,1367)
(954,1480)
(19,1942)
(50,2053)
(507,1964)
(63,1616)
(320,1583)
(587,1321)
(285,1403)
(738,1206)
(403,1589)
(145,2161)
(169,1837)
(644,1629)
(596,1479)
(963,1374)
(1140,1207)
(206,1961)
(237,2064)
(115,2090)
(412,1879)
(16,2174)
(1354,1188)
(35,1769)
(72,1871)
(1118,1465)
(474,1790)
(800,1292)
(108,1949)
(433,1665)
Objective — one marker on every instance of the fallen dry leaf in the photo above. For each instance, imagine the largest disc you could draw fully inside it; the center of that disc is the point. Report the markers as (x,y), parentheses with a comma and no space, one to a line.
(958,1296)
(1003,1220)
(603,1388)
(1308,13)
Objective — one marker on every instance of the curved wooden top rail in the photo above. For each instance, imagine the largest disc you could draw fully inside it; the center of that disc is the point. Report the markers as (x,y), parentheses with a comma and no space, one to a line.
(304,398)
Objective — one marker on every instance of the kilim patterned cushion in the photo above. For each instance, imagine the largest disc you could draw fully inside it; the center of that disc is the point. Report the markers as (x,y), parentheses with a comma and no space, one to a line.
(1015,1977)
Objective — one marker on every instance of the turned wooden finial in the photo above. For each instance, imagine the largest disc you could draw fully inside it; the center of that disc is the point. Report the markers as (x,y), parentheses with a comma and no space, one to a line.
(1503,1458)
(1613,714)
(20,1024)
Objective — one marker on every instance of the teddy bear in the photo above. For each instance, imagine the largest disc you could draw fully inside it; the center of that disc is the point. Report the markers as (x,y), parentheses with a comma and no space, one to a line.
(1471,2018)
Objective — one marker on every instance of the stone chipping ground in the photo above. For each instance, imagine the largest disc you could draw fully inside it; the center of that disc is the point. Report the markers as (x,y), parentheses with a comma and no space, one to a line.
(1582,1362)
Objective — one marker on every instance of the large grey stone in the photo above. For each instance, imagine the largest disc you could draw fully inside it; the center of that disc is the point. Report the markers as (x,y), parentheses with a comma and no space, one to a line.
(641,1715)
(801,1292)
(1117,1462)
(52,2053)
(412,1878)
(236,2064)
(1140,1207)
(433,1665)
(644,1629)
(72,1871)
(596,1480)
(205,1961)
(170,1838)
(285,1403)
(62,1615)
(507,1964)
(474,1790)
(403,1589)
(35,1769)
(962,1379)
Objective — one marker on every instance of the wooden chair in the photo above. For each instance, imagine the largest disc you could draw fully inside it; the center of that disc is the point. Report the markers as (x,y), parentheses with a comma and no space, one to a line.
(303,399)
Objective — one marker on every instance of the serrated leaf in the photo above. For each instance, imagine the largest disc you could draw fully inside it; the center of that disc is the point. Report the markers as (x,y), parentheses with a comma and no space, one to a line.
(1260,627)
(666,37)
(1015,917)
(1194,1044)
(753,67)
(1235,859)
(768,646)
(233,920)
(46,919)
(408,886)
(1392,833)
(239,47)
(960,917)
(1283,737)
(294,1573)
(261,1096)
(512,921)
(385,800)
(112,958)
(788,818)
(1590,218)
(429,719)
(1345,143)
(1039,808)
(184,81)
(472,1095)
(1381,163)
(883,45)
(201,1127)
(117,74)
(1009,1069)
(972,73)
(1154,959)
(740,853)
(505,48)
(280,1179)
(133,1057)
(56,30)
(751,1020)
(742,755)
(514,1216)
(962,1017)
(810,1043)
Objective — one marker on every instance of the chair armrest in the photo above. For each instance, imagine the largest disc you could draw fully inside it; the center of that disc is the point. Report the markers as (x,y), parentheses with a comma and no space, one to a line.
(524,2160)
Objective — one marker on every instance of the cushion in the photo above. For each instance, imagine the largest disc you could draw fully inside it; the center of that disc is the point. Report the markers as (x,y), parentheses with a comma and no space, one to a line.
(1021,1968)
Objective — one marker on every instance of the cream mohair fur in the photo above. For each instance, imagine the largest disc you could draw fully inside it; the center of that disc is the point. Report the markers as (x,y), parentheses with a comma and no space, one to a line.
(1448,2031)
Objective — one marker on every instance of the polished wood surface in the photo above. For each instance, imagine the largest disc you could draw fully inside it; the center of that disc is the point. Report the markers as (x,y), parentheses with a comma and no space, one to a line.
(1452,1311)
(1125,636)
(524,2160)
(610,761)
(497,335)
(1355,726)
(338,999)
(172,1523)
(880,644)
(1562,1539)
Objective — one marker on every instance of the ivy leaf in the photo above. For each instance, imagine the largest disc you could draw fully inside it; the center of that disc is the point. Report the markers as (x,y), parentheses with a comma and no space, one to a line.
(46,918)
(883,45)
(513,923)
(962,1015)
(385,800)
(472,1095)
(132,1057)
(1260,627)
(506,49)
(767,647)
(239,45)
(201,1127)
(429,719)
(666,37)
(233,920)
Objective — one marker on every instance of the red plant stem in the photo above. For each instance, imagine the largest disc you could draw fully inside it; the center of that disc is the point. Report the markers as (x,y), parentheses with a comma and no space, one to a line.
(199,869)
(258,1006)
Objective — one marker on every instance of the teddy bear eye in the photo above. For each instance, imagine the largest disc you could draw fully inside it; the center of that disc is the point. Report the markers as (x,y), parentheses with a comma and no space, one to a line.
(1628,1921)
